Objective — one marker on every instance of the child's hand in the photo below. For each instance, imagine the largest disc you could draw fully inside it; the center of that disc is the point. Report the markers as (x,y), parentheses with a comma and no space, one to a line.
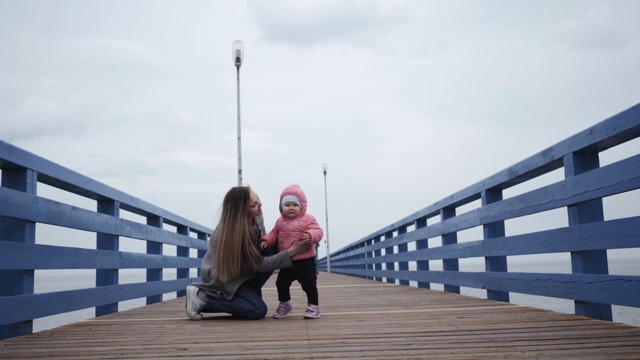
(305,238)
(263,244)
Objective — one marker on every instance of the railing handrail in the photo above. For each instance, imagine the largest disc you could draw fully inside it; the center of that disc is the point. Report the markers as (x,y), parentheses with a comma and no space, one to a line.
(606,134)
(22,209)
(60,177)
(385,254)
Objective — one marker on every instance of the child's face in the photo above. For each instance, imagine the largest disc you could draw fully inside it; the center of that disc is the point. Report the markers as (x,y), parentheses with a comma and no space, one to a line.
(290,210)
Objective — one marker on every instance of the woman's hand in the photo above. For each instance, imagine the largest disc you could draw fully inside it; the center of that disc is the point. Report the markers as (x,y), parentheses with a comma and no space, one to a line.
(298,247)
(263,244)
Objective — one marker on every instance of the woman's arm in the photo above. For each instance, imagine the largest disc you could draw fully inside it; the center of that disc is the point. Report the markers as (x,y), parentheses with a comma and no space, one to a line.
(281,259)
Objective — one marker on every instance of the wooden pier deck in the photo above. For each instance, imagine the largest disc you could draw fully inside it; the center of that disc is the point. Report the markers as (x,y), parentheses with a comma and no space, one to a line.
(360,319)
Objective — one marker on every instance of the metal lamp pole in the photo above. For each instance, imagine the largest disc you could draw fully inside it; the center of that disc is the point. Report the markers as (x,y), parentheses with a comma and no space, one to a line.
(238,57)
(326,213)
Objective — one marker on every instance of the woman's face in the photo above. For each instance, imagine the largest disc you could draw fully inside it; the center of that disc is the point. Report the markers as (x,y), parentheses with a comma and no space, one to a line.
(255,205)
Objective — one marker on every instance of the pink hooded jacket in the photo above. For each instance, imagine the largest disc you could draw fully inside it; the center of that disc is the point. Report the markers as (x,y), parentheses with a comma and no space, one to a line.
(287,231)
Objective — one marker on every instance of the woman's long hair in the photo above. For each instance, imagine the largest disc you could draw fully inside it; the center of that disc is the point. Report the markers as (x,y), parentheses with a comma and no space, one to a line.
(234,248)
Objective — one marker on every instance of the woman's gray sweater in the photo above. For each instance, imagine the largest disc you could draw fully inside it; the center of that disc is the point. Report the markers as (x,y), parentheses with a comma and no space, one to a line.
(219,289)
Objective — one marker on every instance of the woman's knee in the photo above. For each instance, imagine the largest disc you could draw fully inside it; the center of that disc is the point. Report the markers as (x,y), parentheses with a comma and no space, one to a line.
(258,312)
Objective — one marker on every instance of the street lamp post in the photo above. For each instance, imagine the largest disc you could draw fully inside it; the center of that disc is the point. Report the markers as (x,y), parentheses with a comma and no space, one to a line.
(326,214)
(238,57)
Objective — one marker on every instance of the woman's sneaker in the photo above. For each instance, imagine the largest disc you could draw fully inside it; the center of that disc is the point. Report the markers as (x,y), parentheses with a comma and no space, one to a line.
(194,304)
(283,309)
(312,312)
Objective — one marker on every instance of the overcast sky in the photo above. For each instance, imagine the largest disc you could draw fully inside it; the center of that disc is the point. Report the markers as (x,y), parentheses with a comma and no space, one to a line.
(406,101)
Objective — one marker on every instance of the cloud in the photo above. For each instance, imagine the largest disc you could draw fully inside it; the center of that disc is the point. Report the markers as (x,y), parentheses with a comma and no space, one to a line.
(110,51)
(602,28)
(406,101)
(308,23)
(47,110)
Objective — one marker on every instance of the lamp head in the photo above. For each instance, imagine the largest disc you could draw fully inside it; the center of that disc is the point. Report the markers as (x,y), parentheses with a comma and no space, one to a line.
(238,53)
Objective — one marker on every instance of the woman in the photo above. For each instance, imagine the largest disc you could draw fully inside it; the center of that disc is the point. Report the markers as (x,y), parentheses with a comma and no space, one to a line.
(233,269)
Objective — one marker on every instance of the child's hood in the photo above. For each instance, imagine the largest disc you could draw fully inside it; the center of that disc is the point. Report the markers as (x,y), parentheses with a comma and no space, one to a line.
(296,191)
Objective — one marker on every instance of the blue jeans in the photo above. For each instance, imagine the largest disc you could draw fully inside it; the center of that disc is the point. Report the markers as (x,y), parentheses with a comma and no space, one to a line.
(247,302)
(261,278)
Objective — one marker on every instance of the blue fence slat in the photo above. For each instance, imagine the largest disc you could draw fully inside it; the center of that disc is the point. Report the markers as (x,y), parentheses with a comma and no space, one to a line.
(612,234)
(40,305)
(610,289)
(65,179)
(45,211)
(17,256)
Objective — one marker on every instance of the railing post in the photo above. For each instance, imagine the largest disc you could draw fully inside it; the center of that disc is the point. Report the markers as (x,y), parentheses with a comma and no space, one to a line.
(592,261)
(17,282)
(389,251)
(450,239)
(377,254)
(368,255)
(361,257)
(403,248)
(422,265)
(182,251)
(154,248)
(201,253)
(494,230)
(106,277)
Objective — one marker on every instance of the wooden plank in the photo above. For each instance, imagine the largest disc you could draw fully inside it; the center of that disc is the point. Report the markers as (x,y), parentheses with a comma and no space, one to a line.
(360,319)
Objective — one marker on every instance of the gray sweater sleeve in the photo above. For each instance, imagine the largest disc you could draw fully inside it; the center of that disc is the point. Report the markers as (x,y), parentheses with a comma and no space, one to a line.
(277,261)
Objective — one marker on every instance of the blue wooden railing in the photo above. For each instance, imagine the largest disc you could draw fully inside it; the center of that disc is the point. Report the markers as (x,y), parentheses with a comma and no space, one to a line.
(400,252)
(22,209)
